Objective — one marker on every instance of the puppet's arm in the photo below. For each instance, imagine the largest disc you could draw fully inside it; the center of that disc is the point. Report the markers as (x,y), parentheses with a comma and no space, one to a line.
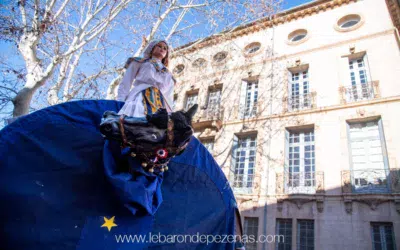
(127,80)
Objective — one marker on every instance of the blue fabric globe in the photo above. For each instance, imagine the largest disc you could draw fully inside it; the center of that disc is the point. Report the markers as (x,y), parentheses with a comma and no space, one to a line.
(56,194)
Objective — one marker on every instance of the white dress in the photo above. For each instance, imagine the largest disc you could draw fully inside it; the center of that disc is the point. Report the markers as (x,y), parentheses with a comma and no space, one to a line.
(146,76)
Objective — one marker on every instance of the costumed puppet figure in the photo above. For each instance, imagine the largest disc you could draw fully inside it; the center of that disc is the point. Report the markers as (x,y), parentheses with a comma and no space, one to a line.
(149,132)
(153,83)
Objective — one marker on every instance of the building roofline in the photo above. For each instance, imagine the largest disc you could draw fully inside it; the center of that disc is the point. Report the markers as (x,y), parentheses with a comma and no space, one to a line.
(262,23)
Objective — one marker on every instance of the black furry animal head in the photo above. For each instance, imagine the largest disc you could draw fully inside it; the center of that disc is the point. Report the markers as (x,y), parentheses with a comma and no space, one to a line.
(182,123)
(145,137)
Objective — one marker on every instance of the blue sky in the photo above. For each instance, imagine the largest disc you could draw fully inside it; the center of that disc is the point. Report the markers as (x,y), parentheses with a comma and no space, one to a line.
(292,3)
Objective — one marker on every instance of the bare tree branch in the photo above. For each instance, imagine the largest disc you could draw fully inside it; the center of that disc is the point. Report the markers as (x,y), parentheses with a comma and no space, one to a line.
(36,22)
(178,21)
(59,11)
(71,73)
(9,89)
(189,6)
(23,14)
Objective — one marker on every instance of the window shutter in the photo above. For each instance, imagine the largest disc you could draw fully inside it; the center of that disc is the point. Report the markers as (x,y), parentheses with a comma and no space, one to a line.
(287,134)
(289,90)
(366,66)
(207,100)
(233,159)
(286,166)
(384,150)
(371,91)
(289,77)
(242,101)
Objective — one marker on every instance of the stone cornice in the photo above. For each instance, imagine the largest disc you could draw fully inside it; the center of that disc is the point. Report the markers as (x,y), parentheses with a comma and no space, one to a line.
(261,24)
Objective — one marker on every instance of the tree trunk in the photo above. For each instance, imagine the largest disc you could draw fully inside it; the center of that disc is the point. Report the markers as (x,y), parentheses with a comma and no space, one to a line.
(113,88)
(22,101)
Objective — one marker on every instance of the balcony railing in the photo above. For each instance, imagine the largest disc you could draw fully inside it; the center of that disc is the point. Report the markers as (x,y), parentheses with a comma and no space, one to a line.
(208,114)
(300,182)
(299,102)
(371,181)
(212,114)
(359,92)
(247,112)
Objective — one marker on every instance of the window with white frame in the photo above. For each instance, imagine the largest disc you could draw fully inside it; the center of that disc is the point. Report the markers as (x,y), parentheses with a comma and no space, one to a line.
(252,48)
(367,146)
(251,229)
(300,170)
(348,21)
(296,36)
(248,99)
(382,236)
(208,144)
(200,62)
(305,234)
(299,91)
(191,100)
(220,56)
(284,229)
(179,69)
(244,161)
(361,88)
(214,101)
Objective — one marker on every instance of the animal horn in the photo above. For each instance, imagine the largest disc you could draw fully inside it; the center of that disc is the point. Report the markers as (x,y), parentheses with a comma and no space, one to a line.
(190,113)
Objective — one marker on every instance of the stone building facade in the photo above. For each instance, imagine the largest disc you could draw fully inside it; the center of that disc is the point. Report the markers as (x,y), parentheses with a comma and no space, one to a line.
(302,112)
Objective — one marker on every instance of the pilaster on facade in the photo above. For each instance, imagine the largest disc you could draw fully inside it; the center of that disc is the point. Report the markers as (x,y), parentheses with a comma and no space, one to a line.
(394,9)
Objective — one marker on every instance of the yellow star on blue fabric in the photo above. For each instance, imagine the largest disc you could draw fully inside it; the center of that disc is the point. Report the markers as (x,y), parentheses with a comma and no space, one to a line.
(109,223)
